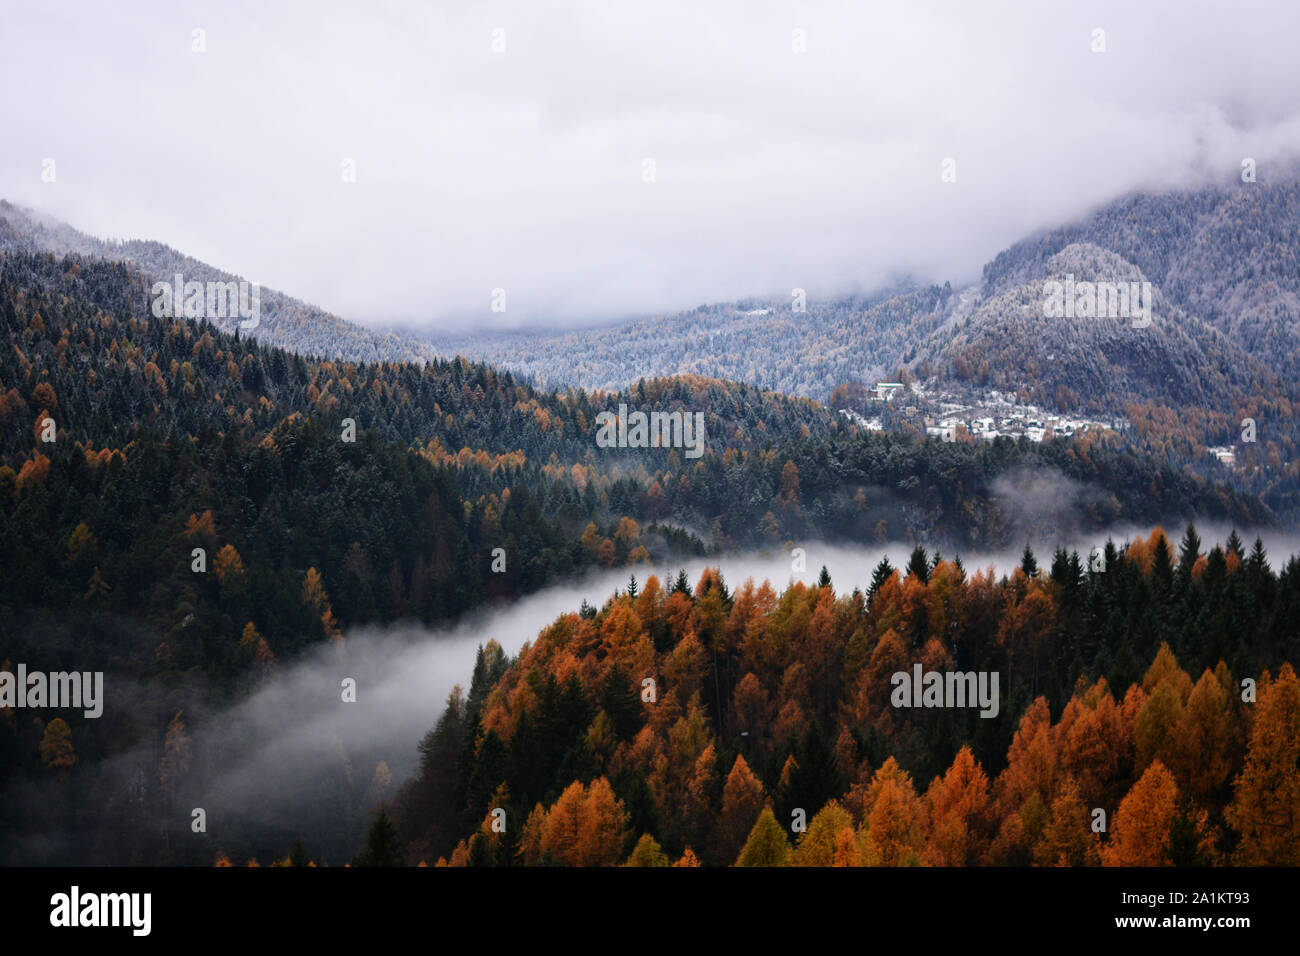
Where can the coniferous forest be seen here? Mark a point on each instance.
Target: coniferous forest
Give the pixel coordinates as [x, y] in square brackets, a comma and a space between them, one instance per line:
[210, 510]
[1158, 691]
[856, 441]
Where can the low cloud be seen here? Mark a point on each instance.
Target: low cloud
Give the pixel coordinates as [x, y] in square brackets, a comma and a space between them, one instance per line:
[525, 169]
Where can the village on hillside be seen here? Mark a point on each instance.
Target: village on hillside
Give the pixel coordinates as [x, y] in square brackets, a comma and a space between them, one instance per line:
[985, 417]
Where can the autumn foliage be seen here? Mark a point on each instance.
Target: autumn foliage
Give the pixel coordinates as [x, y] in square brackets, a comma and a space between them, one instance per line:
[770, 738]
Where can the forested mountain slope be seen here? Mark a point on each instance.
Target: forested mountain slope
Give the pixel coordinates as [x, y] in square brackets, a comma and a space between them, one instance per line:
[126, 441]
[763, 341]
[1218, 365]
[1225, 256]
[184, 508]
[1228, 255]
[1107, 364]
[284, 321]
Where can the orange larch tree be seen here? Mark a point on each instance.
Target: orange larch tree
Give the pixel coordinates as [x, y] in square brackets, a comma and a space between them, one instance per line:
[1266, 809]
[1139, 834]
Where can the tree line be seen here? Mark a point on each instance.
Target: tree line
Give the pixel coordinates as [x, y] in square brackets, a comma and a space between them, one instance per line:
[1149, 716]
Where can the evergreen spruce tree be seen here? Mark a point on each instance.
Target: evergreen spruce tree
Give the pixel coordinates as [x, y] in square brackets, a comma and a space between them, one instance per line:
[1162, 567]
[1188, 553]
[919, 564]
[1185, 837]
[1060, 571]
[621, 703]
[879, 576]
[1258, 557]
[383, 845]
[1235, 546]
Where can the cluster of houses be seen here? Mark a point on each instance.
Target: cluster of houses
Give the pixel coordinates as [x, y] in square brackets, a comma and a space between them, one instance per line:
[1013, 426]
[992, 416]
[998, 417]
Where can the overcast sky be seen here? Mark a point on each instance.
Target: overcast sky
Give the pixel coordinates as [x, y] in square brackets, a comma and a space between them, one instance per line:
[524, 169]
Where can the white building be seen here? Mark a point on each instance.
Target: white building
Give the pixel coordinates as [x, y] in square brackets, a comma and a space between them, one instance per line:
[885, 391]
